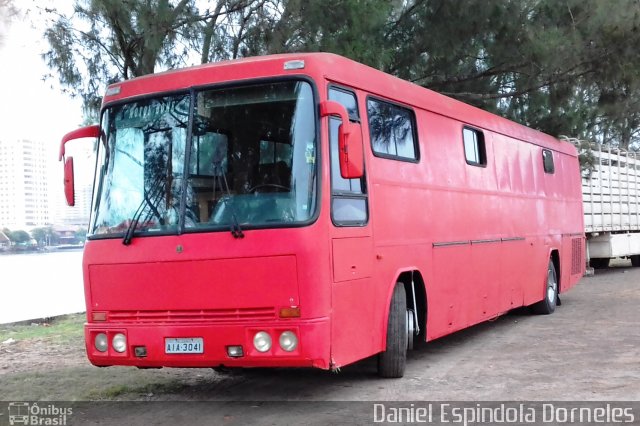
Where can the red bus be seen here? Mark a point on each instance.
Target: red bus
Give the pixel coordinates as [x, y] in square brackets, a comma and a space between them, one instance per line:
[306, 210]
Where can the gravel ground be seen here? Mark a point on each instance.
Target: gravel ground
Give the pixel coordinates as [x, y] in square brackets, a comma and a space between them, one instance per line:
[589, 349]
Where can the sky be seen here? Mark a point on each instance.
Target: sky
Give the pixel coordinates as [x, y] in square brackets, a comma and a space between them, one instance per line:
[30, 107]
[35, 109]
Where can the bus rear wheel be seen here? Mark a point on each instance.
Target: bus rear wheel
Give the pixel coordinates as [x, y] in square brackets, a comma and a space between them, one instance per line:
[548, 305]
[392, 362]
[635, 260]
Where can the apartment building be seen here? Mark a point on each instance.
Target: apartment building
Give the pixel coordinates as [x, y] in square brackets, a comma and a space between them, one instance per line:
[24, 185]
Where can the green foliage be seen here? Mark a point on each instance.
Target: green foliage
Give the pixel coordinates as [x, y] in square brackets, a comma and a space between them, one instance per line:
[586, 156]
[352, 28]
[45, 235]
[110, 40]
[17, 237]
[546, 64]
[561, 67]
[40, 235]
[20, 236]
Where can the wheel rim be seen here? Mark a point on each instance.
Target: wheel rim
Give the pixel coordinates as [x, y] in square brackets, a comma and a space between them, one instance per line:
[552, 285]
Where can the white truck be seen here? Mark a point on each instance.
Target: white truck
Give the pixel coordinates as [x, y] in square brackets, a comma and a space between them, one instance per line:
[611, 198]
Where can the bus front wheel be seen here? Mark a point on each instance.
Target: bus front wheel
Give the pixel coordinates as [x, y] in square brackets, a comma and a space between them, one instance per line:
[548, 305]
[392, 362]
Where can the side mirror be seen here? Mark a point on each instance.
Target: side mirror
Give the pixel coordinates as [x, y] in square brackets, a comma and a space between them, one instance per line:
[69, 191]
[351, 154]
[349, 141]
[84, 132]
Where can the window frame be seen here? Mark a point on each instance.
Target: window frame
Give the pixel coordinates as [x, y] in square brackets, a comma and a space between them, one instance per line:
[341, 194]
[192, 92]
[414, 131]
[552, 169]
[332, 86]
[481, 147]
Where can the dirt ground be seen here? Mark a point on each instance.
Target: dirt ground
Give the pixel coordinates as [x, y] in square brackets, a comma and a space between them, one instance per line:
[589, 349]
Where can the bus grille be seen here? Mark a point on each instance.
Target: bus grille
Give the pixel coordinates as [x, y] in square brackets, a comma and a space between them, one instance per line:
[205, 315]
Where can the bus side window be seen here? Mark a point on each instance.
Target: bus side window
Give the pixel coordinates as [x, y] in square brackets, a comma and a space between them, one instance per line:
[474, 148]
[547, 161]
[392, 129]
[349, 205]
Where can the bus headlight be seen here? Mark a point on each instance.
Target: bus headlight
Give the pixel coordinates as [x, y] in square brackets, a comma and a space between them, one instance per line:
[288, 341]
[100, 342]
[262, 341]
[119, 343]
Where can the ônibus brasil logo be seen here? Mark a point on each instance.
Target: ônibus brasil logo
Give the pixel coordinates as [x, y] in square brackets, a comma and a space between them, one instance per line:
[26, 413]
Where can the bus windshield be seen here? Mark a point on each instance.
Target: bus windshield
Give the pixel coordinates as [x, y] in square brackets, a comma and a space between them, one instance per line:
[214, 159]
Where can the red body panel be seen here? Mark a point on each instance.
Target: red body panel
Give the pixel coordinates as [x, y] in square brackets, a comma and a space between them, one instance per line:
[479, 237]
[227, 284]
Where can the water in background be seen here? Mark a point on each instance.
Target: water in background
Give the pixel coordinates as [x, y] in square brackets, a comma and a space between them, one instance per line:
[40, 285]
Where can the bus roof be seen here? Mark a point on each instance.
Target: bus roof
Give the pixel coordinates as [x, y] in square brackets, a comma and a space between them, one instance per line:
[340, 70]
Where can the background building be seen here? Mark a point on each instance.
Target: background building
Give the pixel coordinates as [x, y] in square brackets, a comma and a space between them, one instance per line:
[84, 161]
[24, 186]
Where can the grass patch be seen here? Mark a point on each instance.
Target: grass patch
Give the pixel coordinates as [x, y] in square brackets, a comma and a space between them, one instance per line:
[135, 391]
[65, 328]
[111, 392]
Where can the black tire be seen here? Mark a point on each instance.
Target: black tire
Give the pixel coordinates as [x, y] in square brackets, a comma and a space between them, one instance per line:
[599, 263]
[392, 362]
[548, 305]
[635, 260]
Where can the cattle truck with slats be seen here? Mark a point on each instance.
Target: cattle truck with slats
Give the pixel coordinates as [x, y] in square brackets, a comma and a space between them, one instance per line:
[611, 196]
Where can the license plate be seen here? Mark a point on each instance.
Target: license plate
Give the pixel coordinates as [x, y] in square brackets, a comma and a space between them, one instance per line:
[184, 345]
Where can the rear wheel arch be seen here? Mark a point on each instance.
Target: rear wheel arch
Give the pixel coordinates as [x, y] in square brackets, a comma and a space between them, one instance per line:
[407, 307]
[550, 298]
[421, 297]
[404, 276]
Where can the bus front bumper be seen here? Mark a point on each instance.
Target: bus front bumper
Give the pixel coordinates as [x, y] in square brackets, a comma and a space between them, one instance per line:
[146, 345]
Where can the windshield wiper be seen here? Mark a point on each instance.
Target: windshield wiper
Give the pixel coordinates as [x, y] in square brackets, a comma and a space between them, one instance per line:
[147, 200]
[221, 178]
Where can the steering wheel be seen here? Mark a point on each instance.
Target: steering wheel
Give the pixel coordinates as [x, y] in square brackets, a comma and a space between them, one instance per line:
[272, 185]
